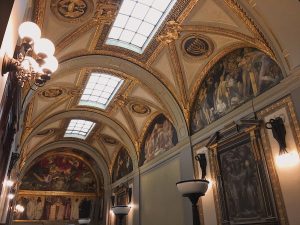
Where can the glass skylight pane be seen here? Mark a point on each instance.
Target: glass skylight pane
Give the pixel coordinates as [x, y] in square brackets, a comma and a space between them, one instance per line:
[127, 7]
[153, 16]
[104, 88]
[145, 17]
[79, 128]
[133, 24]
[146, 2]
[115, 33]
[121, 21]
[127, 36]
[161, 5]
[139, 40]
[140, 11]
[145, 29]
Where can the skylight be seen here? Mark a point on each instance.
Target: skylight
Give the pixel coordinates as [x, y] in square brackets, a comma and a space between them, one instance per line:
[137, 22]
[79, 129]
[100, 89]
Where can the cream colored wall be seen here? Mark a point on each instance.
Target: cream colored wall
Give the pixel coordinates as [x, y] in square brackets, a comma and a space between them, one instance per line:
[161, 202]
[288, 174]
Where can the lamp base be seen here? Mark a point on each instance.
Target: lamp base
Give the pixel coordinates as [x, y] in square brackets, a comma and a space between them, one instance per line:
[194, 197]
[8, 64]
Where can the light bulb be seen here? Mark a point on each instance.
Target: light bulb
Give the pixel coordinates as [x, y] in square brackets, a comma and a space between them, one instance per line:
[20, 208]
[10, 196]
[51, 65]
[44, 48]
[9, 183]
[30, 63]
[29, 31]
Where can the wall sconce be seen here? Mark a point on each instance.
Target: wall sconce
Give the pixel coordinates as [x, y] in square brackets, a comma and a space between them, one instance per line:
[279, 132]
[35, 60]
[194, 189]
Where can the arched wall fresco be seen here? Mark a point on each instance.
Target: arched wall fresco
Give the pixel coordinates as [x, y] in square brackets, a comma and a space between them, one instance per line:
[236, 78]
[122, 166]
[60, 185]
[159, 137]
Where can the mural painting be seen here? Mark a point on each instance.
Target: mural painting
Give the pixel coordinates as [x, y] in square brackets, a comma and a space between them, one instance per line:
[54, 208]
[159, 137]
[59, 173]
[234, 79]
[122, 166]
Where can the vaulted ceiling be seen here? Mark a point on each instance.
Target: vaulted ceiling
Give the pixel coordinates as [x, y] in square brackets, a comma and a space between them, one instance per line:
[164, 79]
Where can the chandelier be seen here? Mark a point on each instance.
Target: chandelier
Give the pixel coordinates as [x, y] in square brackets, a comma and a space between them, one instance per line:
[34, 59]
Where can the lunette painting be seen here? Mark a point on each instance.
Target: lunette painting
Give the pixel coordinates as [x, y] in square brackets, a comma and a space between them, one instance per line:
[236, 78]
[59, 173]
[122, 165]
[159, 137]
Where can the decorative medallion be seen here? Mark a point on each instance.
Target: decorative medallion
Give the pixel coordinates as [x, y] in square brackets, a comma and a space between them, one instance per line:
[72, 10]
[51, 92]
[109, 140]
[140, 108]
[197, 46]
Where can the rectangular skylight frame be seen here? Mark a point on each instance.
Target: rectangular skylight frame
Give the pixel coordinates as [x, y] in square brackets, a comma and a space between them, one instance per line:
[100, 90]
[128, 13]
[78, 128]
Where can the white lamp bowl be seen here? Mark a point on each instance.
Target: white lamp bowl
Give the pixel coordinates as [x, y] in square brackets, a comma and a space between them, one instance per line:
[51, 65]
[121, 209]
[84, 221]
[192, 186]
[29, 31]
[44, 47]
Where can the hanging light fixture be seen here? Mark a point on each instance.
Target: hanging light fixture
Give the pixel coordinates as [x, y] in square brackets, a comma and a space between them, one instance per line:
[35, 59]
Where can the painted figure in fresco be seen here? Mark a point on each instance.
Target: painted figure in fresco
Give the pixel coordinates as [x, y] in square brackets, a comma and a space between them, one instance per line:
[39, 208]
[122, 165]
[30, 212]
[68, 209]
[59, 173]
[75, 202]
[234, 79]
[160, 136]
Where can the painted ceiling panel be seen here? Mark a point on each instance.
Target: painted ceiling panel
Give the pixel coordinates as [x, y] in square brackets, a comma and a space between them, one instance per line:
[163, 65]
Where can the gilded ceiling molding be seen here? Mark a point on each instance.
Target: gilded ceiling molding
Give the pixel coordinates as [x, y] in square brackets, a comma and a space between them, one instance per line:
[177, 10]
[102, 149]
[95, 38]
[238, 10]
[131, 123]
[132, 60]
[53, 193]
[38, 14]
[170, 33]
[232, 34]
[27, 121]
[106, 11]
[48, 112]
[180, 76]
[74, 35]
